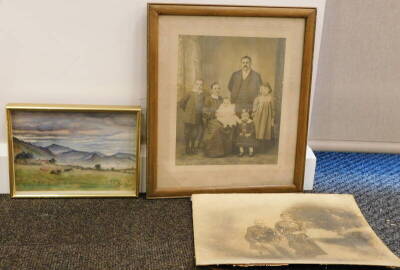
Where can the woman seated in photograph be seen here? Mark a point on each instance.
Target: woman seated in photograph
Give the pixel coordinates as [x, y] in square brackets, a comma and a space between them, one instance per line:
[212, 103]
[219, 130]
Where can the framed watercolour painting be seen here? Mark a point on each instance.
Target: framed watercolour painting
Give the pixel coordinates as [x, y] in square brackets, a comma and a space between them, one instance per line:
[73, 150]
[229, 91]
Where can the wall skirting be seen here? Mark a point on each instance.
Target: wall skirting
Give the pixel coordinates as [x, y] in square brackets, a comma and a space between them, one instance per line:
[4, 181]
[355, 146]
[3, 150]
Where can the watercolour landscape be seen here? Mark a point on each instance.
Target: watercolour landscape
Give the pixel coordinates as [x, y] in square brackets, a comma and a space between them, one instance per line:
[74, 152]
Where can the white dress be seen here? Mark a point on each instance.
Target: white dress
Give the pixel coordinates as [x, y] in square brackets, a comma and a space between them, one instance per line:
[226, 115]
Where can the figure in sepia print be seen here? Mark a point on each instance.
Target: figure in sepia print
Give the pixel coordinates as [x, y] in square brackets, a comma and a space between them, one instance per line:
[229, 100]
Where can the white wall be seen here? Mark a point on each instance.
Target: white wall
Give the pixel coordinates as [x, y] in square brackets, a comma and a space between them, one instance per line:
[83, 52]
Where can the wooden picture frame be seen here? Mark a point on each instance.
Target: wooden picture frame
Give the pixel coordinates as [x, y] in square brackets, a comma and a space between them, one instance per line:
[73, 150]
[205, 21]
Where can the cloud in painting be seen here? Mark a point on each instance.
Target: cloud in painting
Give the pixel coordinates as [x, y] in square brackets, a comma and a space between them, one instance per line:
[109, 132]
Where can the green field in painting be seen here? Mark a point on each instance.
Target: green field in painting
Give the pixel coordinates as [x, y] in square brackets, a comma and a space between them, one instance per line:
[38, 178]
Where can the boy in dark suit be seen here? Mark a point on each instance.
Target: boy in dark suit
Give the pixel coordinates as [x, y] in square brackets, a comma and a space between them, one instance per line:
[192, 105]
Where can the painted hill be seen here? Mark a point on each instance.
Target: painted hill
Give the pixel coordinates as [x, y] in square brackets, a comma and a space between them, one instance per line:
[58, 149]
[38, 152]
[93, 156]
[73, 155]
[124, 155]
[109, 161]
[68, 156]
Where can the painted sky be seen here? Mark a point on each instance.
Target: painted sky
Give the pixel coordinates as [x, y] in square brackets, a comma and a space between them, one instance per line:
[105, 132]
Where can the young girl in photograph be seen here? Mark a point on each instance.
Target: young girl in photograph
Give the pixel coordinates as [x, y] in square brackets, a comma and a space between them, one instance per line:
[246, 135]
[263, 115]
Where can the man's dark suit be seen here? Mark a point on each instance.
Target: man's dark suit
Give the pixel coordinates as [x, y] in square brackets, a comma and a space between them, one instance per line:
[243, 92]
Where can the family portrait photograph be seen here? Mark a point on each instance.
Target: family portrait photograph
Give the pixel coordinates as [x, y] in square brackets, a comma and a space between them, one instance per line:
[229, 99]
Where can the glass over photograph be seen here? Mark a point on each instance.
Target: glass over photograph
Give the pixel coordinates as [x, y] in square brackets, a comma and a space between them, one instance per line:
[229, 99]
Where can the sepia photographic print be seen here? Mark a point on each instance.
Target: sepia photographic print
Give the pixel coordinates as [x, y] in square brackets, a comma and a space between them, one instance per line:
[73, 152]
[252, 229]
[229, 99]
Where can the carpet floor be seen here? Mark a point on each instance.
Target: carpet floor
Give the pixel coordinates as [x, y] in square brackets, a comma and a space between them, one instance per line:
[158, 234]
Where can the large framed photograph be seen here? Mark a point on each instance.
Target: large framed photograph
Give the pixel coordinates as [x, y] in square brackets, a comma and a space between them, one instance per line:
[229, 92]
[73, 150]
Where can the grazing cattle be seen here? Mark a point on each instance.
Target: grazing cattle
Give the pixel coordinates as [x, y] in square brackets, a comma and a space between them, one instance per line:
[56, 172]
[68, 170]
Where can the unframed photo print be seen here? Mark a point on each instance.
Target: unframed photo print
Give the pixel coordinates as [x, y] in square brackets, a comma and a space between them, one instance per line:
[250, 229]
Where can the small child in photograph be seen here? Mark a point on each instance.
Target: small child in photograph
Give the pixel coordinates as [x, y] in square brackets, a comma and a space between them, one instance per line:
[226, 113]
[263, 115]
[246, 135]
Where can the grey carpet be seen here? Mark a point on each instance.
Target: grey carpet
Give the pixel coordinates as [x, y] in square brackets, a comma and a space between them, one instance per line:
[158, 234]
